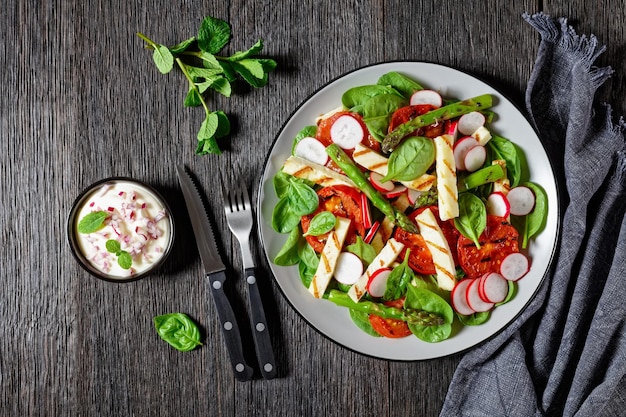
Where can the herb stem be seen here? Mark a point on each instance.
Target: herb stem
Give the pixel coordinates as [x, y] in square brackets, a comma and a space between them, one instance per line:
[192, 85]
[147, 40]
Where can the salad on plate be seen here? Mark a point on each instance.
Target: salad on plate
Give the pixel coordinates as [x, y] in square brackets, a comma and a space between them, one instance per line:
[408, 209]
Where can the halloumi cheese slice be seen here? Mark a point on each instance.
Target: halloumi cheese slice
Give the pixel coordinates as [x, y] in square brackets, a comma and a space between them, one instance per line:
[373, 161]
[447, 191]
[482, 135]
[385, 257]
[502, 185]
[329, 257]
[319, 174]
[439, 249]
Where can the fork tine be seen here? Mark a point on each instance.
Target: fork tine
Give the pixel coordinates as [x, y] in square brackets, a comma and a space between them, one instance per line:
[244, 195]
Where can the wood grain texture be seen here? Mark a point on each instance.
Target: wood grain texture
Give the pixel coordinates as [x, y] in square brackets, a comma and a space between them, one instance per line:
[81, 100]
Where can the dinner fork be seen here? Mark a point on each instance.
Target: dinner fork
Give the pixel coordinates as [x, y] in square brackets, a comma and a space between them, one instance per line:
[239, 218]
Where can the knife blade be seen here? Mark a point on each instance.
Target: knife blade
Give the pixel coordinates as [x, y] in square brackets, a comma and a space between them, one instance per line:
[215, 271]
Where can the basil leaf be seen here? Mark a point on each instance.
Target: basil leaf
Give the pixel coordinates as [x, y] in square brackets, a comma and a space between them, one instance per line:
[213, 35]
[322, 222]
[92, 222]
[302, 199]
[410, 159]
[178, 330]
[472, 219]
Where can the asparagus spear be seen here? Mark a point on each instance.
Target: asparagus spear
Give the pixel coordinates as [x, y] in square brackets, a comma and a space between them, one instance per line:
[483, 176]
[411, 316]
[354, 173]
[442, 113]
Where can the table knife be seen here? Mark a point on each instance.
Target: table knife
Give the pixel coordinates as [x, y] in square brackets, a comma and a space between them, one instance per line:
[215, 271]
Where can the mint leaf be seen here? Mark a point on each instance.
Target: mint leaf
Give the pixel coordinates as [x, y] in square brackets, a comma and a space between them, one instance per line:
[113, 246]
[255, 49]
[124, 260]
[178, 330]
[183, 46]
[92, 222]
[213, 35]
[163, 59]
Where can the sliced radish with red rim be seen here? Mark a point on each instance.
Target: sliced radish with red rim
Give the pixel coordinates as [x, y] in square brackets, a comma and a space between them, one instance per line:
[514, 266]
[470, 122]
[475, 158]
[426, 97]
[312, 150]
[493, 288]
[349, 268]
[369, 236]
[397, 191]
[377, 283]
[383, 187]
[413, 195]
[522, 200]
[460, 149]
[458, 297]
[498, 204]
[366, 213]
[347, 132]
[474, 301]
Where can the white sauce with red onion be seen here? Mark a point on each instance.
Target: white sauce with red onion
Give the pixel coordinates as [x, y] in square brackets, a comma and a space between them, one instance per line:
[136, 219]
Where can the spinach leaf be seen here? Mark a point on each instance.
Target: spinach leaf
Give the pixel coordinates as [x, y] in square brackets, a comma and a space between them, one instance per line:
[536, 219]
[502, 148]
[423, 299]
[284, 220]
[178, 330]
[403, 84]
[364, 251]
[377, 112]
[474, 319]
[322, 222]
[411, 159]
[307, 131]
[472, 218]
[92, 222]
[398, 280]
[356, 97]
[361, 320]
[302, 199]
[308, 264]
[281, 183]
[288, 253]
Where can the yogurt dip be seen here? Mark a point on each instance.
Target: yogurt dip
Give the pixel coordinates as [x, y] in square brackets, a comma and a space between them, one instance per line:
[136, 218]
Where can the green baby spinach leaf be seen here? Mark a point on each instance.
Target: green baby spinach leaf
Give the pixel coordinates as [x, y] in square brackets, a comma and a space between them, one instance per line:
[322, 222]
[536, 219]
[402, 83]
[307, 131]
[92, 222]
[178, 330]
[302, 199]
[361, 320]
[472, 219]
[398, 280]
[288, 253]
[423, 299]
[364, 251]
[284, 220]
[506, 150]
[410, 159]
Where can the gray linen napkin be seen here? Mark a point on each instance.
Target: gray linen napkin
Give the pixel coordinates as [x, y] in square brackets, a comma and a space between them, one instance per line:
[565, 355]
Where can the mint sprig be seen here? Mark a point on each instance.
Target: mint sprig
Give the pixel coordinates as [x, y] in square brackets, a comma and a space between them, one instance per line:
[124, 260]
[198, 59]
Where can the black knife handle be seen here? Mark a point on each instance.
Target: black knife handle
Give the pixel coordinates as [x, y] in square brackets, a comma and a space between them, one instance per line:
[262, 340]
[230, 328]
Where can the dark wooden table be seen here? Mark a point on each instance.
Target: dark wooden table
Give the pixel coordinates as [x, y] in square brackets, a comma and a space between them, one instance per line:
[81, 100]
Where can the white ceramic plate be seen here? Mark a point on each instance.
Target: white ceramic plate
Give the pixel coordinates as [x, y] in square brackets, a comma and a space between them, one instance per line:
[333, 321]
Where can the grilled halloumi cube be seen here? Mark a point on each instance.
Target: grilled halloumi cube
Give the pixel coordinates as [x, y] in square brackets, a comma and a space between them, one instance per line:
[373, 161]
[482, 135]
[447, 191]
[328, 258]
[502, 185]
[319, 174]
[439, 249]
[385, 257]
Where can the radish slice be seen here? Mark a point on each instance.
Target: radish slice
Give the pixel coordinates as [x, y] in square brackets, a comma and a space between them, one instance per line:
[397, 191]
[413, 195]
[522, 200]
[475, 158]
[473, 298]
[470, 122]
[349, 268]
[460, 149]
[514, 266]
[366, 213]
[498, 205]
[453, 129]
[383, 187]
[369, 236]
[377, 283]
[426, 97]
[347, 132]
[312, 150]
[493, 287]
[459, 299]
